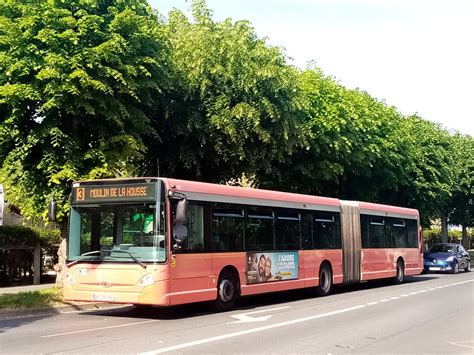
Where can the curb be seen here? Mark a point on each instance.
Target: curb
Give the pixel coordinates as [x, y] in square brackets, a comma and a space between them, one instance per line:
[50, 311]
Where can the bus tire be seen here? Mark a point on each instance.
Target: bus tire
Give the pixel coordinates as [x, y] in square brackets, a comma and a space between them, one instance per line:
[325, 281]
[227, 292]
[400, 275]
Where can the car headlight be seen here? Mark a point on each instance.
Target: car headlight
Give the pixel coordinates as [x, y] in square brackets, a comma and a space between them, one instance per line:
[146, 280]
[70, 279]
[451, 258]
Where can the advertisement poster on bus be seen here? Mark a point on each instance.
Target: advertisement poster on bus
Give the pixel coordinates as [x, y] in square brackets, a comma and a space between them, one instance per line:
[271, 266]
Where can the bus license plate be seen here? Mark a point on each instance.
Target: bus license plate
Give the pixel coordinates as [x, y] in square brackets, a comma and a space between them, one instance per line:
[435, 268]
[99, 297]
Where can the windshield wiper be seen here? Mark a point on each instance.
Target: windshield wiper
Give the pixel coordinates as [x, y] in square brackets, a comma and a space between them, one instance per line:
[130, 255]
[108, 251]
[85, 254]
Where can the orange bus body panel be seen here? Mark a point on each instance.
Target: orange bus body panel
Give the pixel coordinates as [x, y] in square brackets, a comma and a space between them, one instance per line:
[193, 277]
[117, 283]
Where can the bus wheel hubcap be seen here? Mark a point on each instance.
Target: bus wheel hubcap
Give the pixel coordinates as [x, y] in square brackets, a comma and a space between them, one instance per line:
[325, 280]
[226, 290]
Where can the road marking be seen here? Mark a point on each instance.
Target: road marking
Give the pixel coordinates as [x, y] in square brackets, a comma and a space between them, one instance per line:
[101, 328]
[245, 318]
[405, 295]
[463, 344]
[394, 298]
[267, 310]
[462, 282]
[271, 326]
[248, 331]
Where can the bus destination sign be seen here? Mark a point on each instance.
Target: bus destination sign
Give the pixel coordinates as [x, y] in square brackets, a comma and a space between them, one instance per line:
[114, 193]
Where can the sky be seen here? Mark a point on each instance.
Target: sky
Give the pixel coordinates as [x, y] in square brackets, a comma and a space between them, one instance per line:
[416, 55]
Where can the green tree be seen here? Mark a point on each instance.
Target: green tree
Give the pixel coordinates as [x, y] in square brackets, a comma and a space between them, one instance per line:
[426, 169]
[461, 203]
[346, 152]
[232, 107]
[78, 80]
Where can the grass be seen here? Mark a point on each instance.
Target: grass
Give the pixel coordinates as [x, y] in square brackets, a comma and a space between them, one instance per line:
[32, 300]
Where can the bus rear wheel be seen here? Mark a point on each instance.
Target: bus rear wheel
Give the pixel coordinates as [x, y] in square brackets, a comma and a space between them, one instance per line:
[227, 292]
[325, 281]
[400, 275]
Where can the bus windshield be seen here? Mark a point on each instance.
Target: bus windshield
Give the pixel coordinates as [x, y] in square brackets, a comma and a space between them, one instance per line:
[132, 232]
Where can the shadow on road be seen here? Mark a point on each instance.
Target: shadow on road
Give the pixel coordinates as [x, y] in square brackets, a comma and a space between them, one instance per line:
[14, 319]
[245, 303]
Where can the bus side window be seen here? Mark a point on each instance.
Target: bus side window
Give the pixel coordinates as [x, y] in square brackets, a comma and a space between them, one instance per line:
[412, 233]
[287, 230]
[307, 231]
[377, 232]
[364, 229]
[399, 233]
[326, 230]
[259, 229]
[227, 228]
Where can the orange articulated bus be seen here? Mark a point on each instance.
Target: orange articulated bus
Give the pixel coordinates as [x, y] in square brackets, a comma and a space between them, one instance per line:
[164, 242]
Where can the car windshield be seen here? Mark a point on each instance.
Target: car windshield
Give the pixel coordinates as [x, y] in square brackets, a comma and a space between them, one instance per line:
[441, 248]
[117, 233]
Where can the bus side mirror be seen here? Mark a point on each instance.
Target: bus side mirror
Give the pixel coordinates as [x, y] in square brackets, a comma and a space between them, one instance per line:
[181, 211]
[52, 211]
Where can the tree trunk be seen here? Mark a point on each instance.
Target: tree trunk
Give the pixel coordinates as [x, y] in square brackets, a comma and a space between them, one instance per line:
[465, 239]
[60, 267]
[444, 228]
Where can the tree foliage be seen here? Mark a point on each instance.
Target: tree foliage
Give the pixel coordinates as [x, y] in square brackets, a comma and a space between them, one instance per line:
[92, 89]
[233, 105]
[346, 143]
[461, 204]
[77, 81]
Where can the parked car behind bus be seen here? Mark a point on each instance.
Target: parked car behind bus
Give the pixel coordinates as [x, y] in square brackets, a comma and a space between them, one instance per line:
[447, 257]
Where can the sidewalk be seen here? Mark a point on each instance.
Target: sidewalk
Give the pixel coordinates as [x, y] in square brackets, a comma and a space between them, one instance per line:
[60, 308]
[24, 288]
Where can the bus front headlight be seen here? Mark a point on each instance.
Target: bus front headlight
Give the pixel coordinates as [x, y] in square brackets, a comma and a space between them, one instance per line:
[146, 280]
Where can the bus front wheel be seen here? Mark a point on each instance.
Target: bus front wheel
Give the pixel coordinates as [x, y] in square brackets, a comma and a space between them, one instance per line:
[226, 292]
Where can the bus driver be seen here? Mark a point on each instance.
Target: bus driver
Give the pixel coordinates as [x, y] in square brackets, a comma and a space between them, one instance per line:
[180, 233]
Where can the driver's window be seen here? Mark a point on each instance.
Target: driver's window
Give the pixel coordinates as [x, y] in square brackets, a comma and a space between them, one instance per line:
[195, 227]
[189, 237]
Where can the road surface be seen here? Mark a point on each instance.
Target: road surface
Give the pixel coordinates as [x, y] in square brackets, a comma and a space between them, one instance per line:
[431, 313]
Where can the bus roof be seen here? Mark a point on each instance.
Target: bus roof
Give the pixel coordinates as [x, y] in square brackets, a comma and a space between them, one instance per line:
[261, 194]
[248, 193]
